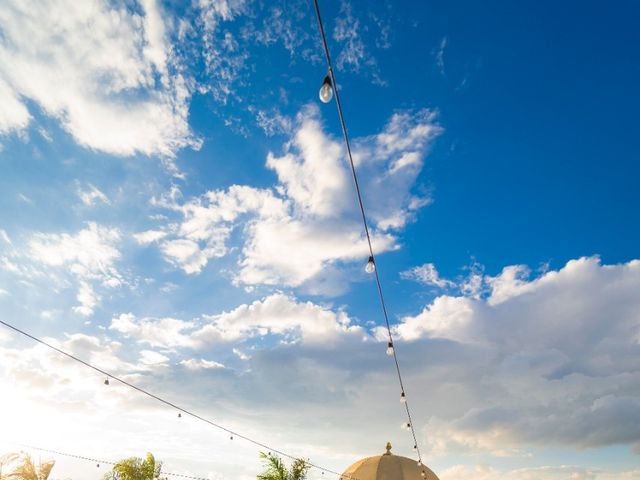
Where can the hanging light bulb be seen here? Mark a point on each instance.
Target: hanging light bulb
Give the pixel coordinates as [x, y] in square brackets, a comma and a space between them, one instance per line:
[326, 90]
[415, 447]
[403, 398]
[231, 437]
[106, 381]
[179, 415]
[419, 463]
[97, 465]
[390, 349]
[406, 426]
[423, 473]
[371, 266]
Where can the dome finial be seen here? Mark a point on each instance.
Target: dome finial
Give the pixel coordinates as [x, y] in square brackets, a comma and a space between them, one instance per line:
[388, 448]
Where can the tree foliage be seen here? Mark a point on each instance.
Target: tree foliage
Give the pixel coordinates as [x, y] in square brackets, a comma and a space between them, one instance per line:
[275, 469]
[20, 466]
[135, 468]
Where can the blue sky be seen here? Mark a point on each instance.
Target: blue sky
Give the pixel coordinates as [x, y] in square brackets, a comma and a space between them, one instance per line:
[177, 209]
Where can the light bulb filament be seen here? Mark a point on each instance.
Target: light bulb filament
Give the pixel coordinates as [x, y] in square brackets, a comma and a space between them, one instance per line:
[326, 90]
[371, 265]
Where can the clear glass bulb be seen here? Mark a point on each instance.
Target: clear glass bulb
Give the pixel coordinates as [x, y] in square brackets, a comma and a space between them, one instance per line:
[106, 381]
[403, 398]
[423, 474]
[419, 463]
[326, 91]
[390, 349]
[371, 266]
[406, 426]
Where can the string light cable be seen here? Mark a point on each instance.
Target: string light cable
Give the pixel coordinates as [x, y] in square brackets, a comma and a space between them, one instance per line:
[99, 461]
[181, 410]
[329, 84]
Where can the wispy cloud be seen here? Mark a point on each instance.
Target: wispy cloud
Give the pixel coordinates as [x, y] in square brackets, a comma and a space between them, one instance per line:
[92, 195]
[438, 54]
[89, 256]
[427, 274]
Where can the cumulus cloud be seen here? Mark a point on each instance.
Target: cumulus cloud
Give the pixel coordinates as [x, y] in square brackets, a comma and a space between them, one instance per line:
[102, 70]
[278, 314]
[547, 472]
[296, 233]
[552, 364]
[47, 371]
[157, 332]
[556, 358]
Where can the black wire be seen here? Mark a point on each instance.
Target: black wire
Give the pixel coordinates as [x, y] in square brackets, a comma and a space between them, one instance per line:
[334, 85]
[170, 404]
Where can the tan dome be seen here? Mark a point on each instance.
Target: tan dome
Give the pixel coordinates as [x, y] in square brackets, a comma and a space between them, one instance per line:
[388, 467]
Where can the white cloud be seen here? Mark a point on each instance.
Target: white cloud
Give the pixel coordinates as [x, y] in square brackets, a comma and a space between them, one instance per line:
[553, 365]
[5, 237]
[13, 115]
[200, 363]
[427, 274]
[149, 236]
[299, 232]
[389, 164]
[100, 70]
[438, 53]
[240, 354]
[447, 317]
[312, 172]
[224, 60]
[88, 300]
[89, 256]
[187, 254]
[163, 332]
[550, 360]
[90, 253]
[151, 358]
[92, 195]
[42, 368]
[347, 32]
[23, 198]
[272, 122]
[277, 314]
[547, 472]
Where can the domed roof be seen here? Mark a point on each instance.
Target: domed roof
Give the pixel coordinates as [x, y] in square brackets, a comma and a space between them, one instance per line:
[388, 467]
